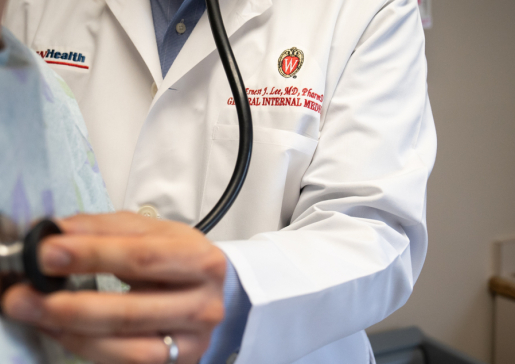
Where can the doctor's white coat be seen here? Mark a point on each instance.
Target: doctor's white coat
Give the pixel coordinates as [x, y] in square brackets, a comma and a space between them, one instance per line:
[329, 233]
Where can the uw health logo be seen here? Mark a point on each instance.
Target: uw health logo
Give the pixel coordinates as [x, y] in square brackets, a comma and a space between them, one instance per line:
[290, 62]
[72, 59]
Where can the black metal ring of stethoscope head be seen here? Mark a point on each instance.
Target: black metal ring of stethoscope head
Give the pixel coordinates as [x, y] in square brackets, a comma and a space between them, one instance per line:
[33, 272]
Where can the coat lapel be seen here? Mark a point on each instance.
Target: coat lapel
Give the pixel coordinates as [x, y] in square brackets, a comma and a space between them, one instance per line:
[135, 17]
[200, 43]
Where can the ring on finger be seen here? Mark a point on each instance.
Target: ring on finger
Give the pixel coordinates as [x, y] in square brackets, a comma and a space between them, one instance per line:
[173, 350]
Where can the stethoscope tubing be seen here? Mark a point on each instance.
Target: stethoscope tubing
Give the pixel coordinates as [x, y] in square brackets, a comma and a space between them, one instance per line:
[244, 119]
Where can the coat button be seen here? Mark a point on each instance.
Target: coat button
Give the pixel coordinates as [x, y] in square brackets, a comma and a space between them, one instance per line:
[149, 211]
[180, 27]
[153, 90]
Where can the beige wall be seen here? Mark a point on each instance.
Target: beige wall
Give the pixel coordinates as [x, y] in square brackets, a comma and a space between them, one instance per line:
[471, 199]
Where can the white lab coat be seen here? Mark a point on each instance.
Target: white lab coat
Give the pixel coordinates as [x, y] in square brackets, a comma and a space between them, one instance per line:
[329, 232]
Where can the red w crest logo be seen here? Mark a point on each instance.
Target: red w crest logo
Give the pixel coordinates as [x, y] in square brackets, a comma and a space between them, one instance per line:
[290, 62]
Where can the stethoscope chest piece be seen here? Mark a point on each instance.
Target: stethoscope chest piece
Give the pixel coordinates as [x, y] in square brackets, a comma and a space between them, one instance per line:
[19, 259]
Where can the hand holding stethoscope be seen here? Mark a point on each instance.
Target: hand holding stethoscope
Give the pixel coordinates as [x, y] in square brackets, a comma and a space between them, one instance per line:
[176, 277]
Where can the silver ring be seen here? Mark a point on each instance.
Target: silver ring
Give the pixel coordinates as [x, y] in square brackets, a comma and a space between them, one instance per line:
[173, 350]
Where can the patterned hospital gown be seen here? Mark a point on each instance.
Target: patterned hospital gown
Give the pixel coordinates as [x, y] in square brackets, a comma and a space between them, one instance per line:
[47, 168]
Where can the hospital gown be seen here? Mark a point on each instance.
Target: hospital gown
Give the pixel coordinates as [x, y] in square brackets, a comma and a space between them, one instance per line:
[47, 168]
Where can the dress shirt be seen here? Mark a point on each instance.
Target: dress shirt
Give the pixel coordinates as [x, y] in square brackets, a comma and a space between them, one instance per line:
[167, 15]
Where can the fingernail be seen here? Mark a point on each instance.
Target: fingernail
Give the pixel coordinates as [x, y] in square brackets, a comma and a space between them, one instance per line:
[55, 257]
[27, 309]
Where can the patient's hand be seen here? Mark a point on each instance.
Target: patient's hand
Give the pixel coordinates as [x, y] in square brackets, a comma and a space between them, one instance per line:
[176, 277]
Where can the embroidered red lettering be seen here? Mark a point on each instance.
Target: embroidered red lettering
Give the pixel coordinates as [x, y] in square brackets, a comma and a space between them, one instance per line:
[313, 106]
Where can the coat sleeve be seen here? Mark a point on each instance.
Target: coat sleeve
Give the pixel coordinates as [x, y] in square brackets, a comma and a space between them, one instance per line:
[358, 238]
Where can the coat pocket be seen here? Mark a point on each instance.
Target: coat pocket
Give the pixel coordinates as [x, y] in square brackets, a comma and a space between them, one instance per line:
[272, 188]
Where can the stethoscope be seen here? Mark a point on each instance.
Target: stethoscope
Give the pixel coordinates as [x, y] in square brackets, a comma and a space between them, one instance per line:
[19, 258]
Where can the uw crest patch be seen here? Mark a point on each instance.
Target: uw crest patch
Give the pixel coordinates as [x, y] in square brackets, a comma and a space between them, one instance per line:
[290, 62]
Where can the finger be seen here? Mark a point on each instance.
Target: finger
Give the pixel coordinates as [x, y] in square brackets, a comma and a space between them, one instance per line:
[163, 258]
[90, 313]
[119, 223]
[139, 350]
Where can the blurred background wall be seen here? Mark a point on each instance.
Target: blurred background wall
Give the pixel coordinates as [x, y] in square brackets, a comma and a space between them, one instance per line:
[471, 198]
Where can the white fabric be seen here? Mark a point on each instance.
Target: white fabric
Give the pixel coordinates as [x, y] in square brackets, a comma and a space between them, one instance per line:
[329, 234]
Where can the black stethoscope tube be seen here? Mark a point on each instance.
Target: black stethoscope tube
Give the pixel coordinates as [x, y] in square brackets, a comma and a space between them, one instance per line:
[244, 119]
[47, 227]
